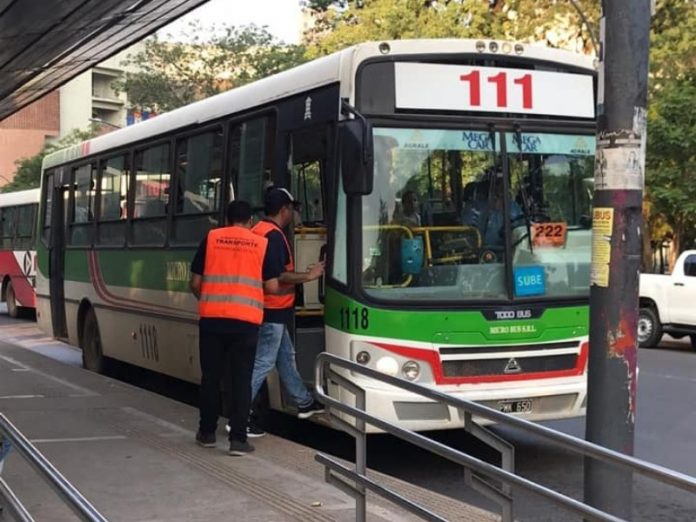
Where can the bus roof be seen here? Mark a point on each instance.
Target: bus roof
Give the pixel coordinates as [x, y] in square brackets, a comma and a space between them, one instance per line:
[336, 67]
[20, 197]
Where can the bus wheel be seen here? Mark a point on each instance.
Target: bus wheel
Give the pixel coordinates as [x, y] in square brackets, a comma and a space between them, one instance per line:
[12, 308]
[92, 354]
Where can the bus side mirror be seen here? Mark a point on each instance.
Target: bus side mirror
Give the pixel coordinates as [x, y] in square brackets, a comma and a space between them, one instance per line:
[357, 157]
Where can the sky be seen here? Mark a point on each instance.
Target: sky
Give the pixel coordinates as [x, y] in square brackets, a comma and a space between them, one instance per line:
[281, 16]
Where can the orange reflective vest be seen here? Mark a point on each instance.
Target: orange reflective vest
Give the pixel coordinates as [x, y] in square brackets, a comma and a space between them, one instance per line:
[285, 298]
[232, 286]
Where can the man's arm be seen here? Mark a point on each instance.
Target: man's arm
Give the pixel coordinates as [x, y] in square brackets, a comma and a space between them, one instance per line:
[195, 284]
[297, 278]
[197, 266]
[272, 286]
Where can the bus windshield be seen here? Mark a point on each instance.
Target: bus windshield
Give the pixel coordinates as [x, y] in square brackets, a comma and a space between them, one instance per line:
[435, 226]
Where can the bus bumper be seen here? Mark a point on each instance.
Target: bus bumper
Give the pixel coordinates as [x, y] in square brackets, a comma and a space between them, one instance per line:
[543, 401]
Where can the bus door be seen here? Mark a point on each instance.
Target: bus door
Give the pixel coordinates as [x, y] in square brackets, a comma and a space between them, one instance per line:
[308, 162]
[56, 258]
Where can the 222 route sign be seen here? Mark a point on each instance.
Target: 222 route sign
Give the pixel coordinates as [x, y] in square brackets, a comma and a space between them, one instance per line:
[493, 89]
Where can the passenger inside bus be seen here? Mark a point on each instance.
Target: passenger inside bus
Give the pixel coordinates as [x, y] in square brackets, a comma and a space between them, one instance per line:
[485, 210]
[407, 213]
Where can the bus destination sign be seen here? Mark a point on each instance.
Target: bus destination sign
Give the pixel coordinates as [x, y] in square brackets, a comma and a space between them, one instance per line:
[493, 89]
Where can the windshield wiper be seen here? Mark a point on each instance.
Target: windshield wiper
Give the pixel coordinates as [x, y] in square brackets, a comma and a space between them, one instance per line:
[526, 205]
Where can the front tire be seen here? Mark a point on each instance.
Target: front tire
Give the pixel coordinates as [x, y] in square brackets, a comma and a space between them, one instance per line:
[92, 353]
[11, 299]
[649, 328]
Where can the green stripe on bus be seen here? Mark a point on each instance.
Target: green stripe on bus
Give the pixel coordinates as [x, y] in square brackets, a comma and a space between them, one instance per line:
[452, 327]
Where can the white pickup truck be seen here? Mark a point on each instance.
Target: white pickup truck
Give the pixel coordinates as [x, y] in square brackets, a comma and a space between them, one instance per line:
[668, 303]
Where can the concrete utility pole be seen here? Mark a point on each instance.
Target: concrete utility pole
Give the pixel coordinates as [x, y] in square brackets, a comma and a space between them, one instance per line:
[616, 247]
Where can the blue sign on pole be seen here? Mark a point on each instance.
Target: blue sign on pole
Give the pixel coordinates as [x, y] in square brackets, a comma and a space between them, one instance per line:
[529, 280]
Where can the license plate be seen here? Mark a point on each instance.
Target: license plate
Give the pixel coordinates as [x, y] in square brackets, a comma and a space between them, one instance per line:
[517, 406]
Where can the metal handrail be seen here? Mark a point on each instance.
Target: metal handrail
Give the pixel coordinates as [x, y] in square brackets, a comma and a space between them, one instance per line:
[63, 488]
[323, 373]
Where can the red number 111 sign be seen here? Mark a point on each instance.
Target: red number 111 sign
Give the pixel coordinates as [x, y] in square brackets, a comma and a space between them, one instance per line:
[445, 87]
[500, 82]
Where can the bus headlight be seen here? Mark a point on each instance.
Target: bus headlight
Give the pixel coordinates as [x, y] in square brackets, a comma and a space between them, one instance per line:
[387, 365]
[362, 357]
[410, 370]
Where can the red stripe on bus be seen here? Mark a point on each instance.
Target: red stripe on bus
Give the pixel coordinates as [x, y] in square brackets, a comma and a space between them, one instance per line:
[105, 294]
[432, 357]
[24, 291]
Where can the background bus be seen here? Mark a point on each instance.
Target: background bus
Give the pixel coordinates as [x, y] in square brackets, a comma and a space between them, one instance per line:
[18, 212]
[448, 182]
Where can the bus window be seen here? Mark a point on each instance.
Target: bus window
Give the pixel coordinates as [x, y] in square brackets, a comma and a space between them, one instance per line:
[308, 170]
[26, 226]
[339, 270]
[422, 236]
[9, 225]
[199, 185]
[251, 153]
[551, 182]
[48, 206]
[82, 205]
[152, 174]
[113, 199]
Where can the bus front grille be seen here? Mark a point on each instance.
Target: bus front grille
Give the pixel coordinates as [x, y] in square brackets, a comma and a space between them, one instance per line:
[511, 366]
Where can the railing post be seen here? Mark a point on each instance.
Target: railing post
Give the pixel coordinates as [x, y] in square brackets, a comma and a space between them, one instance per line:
[361, 459]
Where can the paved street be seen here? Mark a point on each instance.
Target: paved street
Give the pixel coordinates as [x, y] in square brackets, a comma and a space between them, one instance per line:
[665, 434]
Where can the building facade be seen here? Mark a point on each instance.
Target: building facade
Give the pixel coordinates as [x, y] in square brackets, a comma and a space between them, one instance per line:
[85, 100]
[24, 134]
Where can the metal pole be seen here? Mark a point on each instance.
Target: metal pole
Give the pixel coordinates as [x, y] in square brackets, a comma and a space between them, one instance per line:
[616, 247]
[361, 459]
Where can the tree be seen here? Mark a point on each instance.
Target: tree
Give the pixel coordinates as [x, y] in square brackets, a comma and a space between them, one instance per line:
[166, 75]
[347, 22]
[28, 173]
[671, 159]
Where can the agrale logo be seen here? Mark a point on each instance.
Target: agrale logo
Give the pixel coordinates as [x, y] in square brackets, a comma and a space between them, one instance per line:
[512, 366]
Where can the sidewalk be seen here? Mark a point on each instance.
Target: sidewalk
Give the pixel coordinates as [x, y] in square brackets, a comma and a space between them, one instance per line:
[131, 453]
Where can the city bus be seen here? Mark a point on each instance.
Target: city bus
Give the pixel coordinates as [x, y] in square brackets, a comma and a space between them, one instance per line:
[18, 212]
[447, 183]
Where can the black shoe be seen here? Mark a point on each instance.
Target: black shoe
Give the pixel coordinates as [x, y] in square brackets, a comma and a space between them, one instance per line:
[239, 449]
[207, 440]
[305, 412]
[254, 432]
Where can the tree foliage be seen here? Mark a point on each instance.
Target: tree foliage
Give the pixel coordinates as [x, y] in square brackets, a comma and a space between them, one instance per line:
[165, 74]
[671, 158]
[347, 22]
[28, 173]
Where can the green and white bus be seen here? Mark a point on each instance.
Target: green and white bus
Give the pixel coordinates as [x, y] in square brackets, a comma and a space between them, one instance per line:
[448, 183]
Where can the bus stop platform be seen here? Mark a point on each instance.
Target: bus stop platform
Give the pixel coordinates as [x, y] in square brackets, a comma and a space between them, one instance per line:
[132, 454]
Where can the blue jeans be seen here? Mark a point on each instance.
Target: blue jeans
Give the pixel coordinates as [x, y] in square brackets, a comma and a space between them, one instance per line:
[275, 348]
